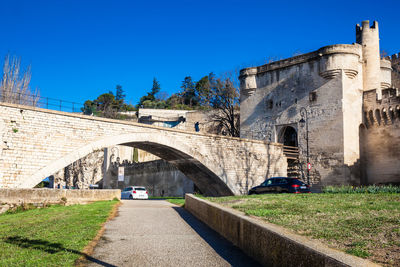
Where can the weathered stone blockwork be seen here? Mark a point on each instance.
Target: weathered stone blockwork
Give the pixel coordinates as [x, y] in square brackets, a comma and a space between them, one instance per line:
[282, 88]
[395, 60]
[380, 138]
[35, 143]
[56, 196]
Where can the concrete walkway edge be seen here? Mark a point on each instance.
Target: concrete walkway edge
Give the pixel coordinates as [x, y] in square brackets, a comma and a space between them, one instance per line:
[268, 243]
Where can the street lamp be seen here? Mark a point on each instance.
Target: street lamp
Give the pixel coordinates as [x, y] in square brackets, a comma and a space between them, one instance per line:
[304, 120]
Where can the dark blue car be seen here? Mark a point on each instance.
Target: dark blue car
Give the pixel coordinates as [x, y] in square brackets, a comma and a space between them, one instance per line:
[281, 185]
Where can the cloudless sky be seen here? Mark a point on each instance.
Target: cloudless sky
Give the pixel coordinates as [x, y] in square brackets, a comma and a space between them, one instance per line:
[80, 49]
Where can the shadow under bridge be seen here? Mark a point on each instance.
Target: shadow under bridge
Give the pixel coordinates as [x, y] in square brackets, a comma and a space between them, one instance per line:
[207, 181]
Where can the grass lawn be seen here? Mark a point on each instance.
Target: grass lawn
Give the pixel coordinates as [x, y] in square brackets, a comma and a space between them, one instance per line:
[177, 201]
[53, 236]
[180, 201]
[365, 225]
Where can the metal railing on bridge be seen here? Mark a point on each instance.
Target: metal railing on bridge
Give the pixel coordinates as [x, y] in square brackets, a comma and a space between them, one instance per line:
[41, 102]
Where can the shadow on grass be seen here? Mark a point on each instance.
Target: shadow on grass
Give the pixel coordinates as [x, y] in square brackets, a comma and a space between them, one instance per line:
[229, 252]
[49, 247]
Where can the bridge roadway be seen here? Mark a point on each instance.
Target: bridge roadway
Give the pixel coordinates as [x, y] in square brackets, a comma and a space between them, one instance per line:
[158, 233]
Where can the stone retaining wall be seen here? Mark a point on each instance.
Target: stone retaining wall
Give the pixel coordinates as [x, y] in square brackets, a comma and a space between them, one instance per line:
[55, 196]
[269, 244]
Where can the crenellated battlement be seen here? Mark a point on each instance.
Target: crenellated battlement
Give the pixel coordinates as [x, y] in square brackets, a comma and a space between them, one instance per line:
[366, 26]
[395, 63]
[365, 30]
[395, 58]
[385, 111]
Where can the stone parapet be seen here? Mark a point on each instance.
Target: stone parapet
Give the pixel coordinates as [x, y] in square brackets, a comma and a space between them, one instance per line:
[56, 196]
[348, 49]
[381, 112]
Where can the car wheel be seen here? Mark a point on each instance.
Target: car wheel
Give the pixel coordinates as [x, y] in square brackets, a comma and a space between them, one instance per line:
[130, 197]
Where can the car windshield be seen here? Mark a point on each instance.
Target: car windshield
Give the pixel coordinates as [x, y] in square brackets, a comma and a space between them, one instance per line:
[140, 189]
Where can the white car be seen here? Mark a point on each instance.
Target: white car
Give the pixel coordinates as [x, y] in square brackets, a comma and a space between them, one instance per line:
[134, 192]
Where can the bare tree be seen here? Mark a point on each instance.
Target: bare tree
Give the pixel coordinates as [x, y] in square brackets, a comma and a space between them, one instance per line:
[14, 84]
[226, 101]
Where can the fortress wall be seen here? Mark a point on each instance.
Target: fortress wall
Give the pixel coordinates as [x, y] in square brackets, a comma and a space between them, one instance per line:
[272, 96]
[395, 59]
[386, 73]
[380, 138]
[352, 117]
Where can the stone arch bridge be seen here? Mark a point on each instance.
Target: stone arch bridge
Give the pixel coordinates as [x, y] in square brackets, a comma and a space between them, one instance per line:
[36, 143]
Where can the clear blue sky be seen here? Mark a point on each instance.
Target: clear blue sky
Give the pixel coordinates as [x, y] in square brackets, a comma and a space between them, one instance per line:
[80, 49]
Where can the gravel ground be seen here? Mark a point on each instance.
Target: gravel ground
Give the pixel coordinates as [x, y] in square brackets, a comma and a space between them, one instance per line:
[158, 233]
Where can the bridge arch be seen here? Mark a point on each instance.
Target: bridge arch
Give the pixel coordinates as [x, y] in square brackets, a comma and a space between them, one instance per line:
[37, 142]
[213, 182]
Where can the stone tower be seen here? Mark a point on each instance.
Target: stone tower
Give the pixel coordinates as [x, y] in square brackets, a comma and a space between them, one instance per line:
[376, 72]
[368, 37]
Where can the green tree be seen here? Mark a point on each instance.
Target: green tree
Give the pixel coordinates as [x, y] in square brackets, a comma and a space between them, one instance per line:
[189, 92]
[204, 88]
[120, 98]
[151, 96]
[156, 88]
[119, 93]
[108, 105]
[89, 107]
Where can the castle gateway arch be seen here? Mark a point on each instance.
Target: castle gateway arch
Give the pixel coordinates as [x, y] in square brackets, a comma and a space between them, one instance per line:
[36, 143]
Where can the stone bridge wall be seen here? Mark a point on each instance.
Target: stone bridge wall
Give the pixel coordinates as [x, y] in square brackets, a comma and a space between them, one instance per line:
[35, 143]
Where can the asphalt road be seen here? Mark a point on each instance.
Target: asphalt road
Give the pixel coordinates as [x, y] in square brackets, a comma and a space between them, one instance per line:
[158, 233]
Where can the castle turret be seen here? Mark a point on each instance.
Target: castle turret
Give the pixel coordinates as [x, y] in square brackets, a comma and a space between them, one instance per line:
[368, 37]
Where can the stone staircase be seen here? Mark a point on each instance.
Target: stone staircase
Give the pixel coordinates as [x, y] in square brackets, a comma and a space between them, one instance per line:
[294, 168]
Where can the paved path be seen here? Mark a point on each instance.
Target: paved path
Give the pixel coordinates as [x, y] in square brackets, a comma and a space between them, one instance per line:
[158, 233]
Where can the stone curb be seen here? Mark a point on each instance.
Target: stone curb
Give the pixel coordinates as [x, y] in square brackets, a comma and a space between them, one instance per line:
[269, 244]
[56, 196]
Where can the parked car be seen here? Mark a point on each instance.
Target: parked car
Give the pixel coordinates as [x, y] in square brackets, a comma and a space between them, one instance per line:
[281, 185]
[134, 192]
